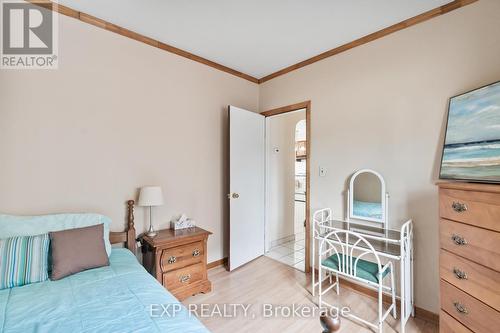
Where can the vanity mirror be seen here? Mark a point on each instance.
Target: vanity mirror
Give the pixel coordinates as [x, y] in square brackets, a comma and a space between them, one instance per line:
[367, 198]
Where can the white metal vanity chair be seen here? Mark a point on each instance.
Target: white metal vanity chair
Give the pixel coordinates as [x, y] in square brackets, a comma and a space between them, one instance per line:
[340, 252]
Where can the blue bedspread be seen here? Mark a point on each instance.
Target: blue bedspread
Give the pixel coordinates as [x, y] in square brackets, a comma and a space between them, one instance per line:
[117, 298]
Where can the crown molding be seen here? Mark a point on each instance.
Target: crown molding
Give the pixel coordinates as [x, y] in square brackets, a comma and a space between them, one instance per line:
[100, 23]
[89, 19]
[373, 36]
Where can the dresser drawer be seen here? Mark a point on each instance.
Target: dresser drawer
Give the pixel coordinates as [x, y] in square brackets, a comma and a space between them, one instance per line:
[184, 276]
[476, 208]
[448, 324]
[474, 279]
[181, 256]
[476, 244]
[475, 315]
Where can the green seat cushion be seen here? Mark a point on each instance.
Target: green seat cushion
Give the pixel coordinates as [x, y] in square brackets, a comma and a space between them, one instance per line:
[364, 269]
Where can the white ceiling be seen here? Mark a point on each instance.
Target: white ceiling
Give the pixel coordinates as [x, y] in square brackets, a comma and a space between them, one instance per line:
[256, 37]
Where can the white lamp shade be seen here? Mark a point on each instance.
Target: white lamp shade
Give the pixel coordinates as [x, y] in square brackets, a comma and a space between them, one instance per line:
[150, 196]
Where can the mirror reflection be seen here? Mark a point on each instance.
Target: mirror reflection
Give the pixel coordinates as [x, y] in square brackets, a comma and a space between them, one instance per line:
[367, 197]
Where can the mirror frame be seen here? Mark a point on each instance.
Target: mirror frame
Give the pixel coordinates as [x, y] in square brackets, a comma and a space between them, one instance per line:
[383, 195]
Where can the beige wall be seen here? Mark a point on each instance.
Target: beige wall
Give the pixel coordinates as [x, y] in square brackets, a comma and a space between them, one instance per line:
[383, 105]
[280, 177]
[116, 115]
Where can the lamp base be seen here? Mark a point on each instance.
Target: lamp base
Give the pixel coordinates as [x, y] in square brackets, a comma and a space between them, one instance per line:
[151, 232]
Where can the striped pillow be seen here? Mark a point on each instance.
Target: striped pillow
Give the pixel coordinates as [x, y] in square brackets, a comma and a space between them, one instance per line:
[23, 260]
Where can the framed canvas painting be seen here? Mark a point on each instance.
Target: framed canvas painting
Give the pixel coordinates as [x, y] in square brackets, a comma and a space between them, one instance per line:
[471, 149]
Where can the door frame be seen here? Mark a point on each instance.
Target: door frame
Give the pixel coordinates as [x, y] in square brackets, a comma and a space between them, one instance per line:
[290, 108]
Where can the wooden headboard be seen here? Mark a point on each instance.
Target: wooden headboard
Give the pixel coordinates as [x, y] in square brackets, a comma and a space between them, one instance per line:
[126, 237]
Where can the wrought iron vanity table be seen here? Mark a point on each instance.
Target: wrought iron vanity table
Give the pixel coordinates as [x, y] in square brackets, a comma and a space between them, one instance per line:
[395, 245]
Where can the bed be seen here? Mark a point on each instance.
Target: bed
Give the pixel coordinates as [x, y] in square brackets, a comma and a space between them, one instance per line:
[121, 297]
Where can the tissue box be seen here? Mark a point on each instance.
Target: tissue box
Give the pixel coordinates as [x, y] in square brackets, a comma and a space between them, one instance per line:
[182, 222]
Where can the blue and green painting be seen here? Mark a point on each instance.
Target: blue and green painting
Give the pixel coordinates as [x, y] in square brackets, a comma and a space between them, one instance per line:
[472, 145]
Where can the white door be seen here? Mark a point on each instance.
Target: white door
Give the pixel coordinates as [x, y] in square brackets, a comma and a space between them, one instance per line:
[246, 185]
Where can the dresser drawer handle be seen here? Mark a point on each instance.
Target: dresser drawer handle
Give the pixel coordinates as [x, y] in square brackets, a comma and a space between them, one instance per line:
[460, 308]
[196, 253]
[172, 260]
[458, 240]
[458, 207]
[461, 275]
[185, 278]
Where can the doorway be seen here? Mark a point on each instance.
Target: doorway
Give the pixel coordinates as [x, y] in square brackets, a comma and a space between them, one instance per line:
[287, 185]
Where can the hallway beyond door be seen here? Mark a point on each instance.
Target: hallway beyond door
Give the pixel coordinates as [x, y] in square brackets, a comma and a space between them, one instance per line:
[291, 253]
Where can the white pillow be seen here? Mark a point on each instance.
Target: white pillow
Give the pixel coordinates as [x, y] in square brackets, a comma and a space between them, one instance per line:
[18, 225]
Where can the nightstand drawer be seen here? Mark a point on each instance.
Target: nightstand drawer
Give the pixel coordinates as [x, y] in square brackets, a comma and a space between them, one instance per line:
[184, 276]
[181, 256]
[476, 280]
[472, 313]
[477, 244]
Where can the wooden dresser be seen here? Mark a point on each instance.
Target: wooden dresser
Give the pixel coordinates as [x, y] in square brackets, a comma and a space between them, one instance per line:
[178, 260]
[469, 263]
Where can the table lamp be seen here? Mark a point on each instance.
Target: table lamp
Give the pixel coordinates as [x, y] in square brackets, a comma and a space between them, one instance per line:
[150, 196]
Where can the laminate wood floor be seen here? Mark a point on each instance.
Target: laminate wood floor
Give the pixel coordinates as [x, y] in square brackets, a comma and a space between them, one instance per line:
[266, 281]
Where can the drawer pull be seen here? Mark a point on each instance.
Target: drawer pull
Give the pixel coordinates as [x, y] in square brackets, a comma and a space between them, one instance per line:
[460, 308]
[172, 260]
[461, 275]
[185, 278]
[458, 240]
[458, 207]
[196, 253]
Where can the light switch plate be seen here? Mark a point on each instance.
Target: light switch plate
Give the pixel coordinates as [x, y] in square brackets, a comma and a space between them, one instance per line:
[322, 171]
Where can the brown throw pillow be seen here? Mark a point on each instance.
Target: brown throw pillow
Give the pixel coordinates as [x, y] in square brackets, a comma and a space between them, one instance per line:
[76, 250]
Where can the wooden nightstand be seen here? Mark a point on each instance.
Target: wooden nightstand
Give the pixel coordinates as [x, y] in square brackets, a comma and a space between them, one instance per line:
[178, 260]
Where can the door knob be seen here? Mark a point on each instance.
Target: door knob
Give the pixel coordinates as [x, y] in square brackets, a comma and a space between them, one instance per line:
[233, 196]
